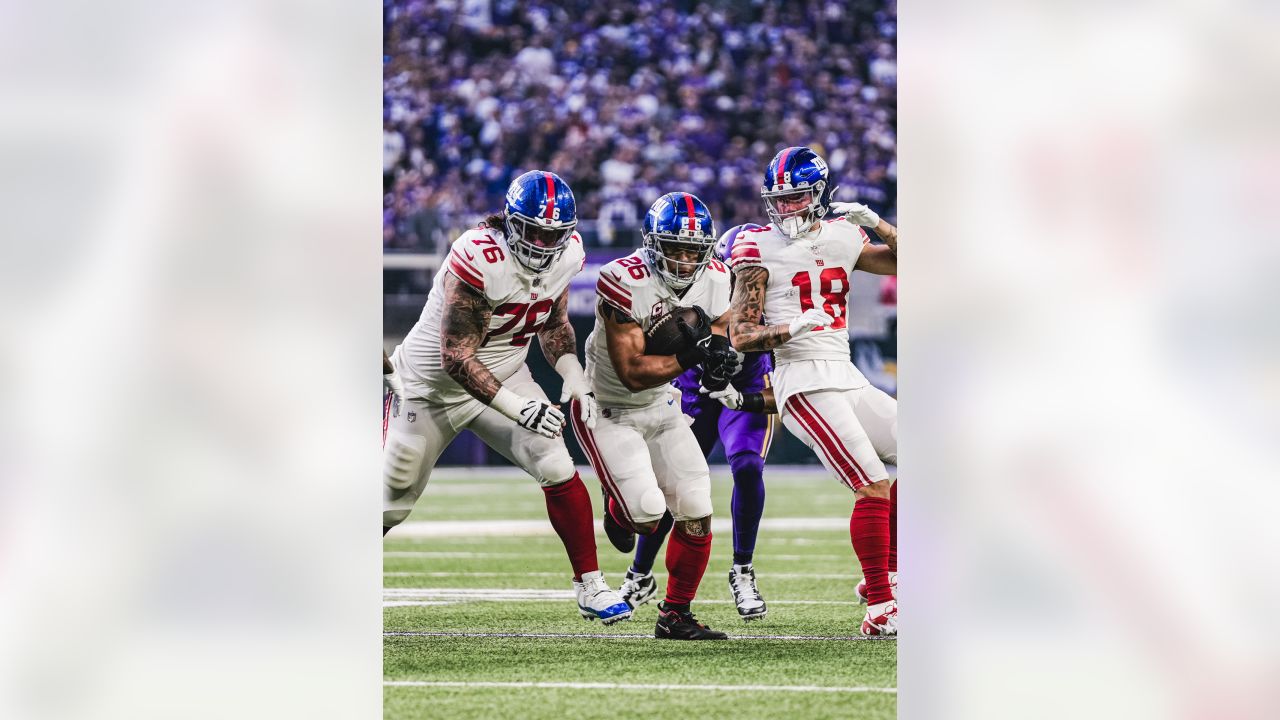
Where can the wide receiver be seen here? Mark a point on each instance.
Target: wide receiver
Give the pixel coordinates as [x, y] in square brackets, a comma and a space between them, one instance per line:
[642, 448]
[795, 272]
[746, 436]
[462, 367]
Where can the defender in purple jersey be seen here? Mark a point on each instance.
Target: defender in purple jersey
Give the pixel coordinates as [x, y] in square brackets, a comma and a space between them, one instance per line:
[746, 437]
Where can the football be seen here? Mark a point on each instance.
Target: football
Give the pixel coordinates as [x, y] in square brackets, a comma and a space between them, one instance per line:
[665, 338]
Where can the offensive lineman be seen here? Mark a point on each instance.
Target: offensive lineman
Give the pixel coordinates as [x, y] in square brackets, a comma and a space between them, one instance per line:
[795, 272]
[462, 367]
[746, 435]
[646, 456]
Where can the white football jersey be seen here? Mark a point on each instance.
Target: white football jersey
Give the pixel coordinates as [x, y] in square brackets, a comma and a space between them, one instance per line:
[803, 274]
[630, 285]
[521, 301]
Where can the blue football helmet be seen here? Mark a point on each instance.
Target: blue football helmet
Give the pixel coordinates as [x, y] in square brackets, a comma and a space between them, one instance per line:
[679, 223]
[725, 247]
[540, 217]
[796, 190]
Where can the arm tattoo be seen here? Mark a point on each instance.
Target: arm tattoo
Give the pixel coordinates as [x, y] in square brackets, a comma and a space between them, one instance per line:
[889, 235]
[556, 336]
[746, 310]
[462, 330]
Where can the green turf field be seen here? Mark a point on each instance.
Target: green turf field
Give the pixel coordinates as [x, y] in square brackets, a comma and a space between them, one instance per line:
[453, 591]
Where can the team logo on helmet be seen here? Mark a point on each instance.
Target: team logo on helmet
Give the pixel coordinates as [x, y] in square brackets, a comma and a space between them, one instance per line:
[541, 215]
[679, 237]
[796, 190]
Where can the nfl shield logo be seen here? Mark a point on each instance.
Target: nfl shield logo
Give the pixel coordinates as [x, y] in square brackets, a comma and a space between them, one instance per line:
[411, 415]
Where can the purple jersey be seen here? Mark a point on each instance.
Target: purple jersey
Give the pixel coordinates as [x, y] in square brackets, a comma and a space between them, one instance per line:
[739, 431]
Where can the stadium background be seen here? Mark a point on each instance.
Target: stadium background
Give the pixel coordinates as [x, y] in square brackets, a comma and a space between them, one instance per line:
[627, 101]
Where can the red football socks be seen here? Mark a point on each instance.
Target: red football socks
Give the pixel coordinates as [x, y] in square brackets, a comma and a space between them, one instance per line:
[686, 562]
[893, 527]
[569, 508]
[869, 530]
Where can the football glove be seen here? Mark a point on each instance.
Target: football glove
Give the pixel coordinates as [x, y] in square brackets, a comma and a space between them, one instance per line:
[808, 320]
[531, 414]
[541, 417]
[577, 388]
[856, 213]
[721, 364]
[728, 396]
[697, 339]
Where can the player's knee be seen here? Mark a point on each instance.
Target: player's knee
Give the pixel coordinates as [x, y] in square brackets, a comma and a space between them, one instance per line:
[646, 528]
[554, 469]
[695, 505]
[746, 464]
[877, 489]
[647, 513]
[402, 460]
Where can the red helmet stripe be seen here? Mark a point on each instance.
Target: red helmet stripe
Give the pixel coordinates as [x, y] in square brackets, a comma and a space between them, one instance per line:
[782, 165]
[551, 195]
[693, 219]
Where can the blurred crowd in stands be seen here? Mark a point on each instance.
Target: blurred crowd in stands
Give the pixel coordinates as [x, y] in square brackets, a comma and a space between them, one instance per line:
[627, 100]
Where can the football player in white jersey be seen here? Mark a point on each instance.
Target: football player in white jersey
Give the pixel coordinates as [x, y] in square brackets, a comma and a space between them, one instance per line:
[791, 296]
[647, 457]
[462, 367]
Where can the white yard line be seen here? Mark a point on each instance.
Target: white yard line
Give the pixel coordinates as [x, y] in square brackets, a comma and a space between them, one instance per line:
[465, 554]
[526, 528]
[639, 686]
[620, 636]
[413, 597]
[777, 576]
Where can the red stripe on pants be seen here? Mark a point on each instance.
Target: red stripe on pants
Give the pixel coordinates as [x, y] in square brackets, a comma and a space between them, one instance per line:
[809, 423]
[588, 443]
[856, 474]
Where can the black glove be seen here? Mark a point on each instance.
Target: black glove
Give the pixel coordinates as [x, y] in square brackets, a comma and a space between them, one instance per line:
[721, 364]
[697, 338]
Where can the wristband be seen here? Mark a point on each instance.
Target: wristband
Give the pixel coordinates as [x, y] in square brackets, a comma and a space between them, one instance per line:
[508, 403]
[569, 367]
[752, 402]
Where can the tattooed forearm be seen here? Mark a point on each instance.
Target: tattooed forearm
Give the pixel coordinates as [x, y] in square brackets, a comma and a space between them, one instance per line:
[887, 233]
[462, 330]
[746, 309]
[557, 337]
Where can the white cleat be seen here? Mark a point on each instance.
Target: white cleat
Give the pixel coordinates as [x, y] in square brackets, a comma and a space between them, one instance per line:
[742, 582]
[881, 619]
[597, 601]
[637, 590]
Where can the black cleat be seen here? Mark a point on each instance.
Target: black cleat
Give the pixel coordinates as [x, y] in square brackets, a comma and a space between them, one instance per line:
[676, 625]
[621, 538]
